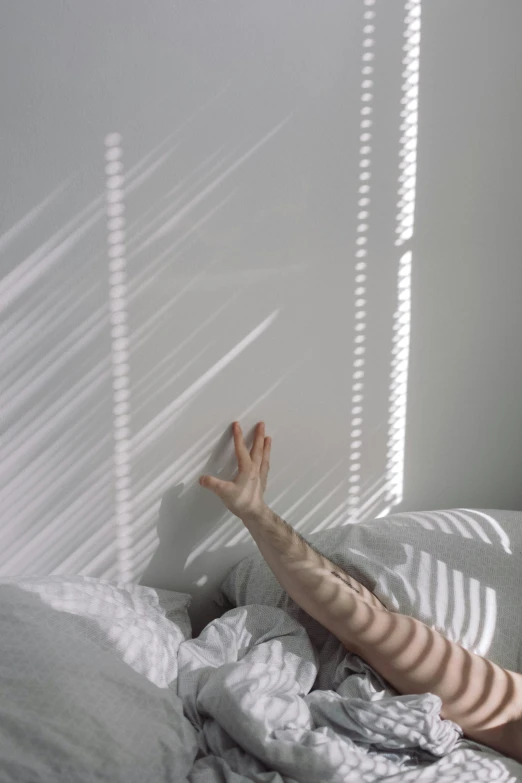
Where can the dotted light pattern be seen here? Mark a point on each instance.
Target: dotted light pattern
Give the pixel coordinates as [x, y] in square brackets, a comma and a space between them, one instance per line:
[115, 209]
[409, 122]
[404, 232]
[361, 252]
[398, 386]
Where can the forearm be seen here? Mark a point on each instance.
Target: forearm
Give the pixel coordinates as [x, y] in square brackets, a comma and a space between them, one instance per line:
[316, 584]
[478, 695]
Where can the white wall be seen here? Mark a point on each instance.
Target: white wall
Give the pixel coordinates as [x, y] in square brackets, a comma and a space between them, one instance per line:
[239, 130]
[463, 445]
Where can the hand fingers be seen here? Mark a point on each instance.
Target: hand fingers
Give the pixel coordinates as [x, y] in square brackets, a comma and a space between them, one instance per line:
[265, 464]
[257, 449]
[242, 455]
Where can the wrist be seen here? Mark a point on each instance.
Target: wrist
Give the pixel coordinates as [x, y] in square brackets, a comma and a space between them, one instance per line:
[257, 516]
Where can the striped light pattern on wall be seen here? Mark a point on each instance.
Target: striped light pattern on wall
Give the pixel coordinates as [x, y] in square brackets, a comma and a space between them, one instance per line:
[361, 252]
[404, 233]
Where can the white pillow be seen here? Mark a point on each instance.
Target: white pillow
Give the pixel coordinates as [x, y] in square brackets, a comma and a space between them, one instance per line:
[142, 626]
[459, 571]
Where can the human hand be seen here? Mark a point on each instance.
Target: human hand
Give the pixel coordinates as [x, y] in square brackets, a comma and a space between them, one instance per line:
[244, 495]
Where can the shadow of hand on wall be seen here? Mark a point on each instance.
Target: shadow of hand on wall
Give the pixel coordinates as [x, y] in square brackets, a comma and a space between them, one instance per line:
[188, 518]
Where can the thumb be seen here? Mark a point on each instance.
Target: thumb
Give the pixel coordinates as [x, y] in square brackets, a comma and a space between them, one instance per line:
[216, 485]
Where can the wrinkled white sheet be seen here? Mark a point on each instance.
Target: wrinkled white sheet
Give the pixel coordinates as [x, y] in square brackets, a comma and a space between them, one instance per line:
[249, 686]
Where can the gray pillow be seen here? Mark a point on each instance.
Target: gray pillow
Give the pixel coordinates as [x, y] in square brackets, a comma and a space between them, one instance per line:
[459, 571]
[72, 711]
[142, 626]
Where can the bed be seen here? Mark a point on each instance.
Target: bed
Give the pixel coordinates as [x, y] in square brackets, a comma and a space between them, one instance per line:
[103, 681]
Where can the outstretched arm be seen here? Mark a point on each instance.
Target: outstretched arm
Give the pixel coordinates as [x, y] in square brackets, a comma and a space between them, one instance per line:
[484, 699]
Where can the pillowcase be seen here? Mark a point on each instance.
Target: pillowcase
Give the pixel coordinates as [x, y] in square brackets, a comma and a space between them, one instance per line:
[459, 571]
[142, 626]
[73, 711]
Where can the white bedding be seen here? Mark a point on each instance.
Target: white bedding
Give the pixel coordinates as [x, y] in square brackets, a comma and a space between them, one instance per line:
[142, 626]
[245, 706]
[246, 686]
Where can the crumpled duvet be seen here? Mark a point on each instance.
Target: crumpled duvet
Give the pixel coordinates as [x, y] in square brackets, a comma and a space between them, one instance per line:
[267, 707]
